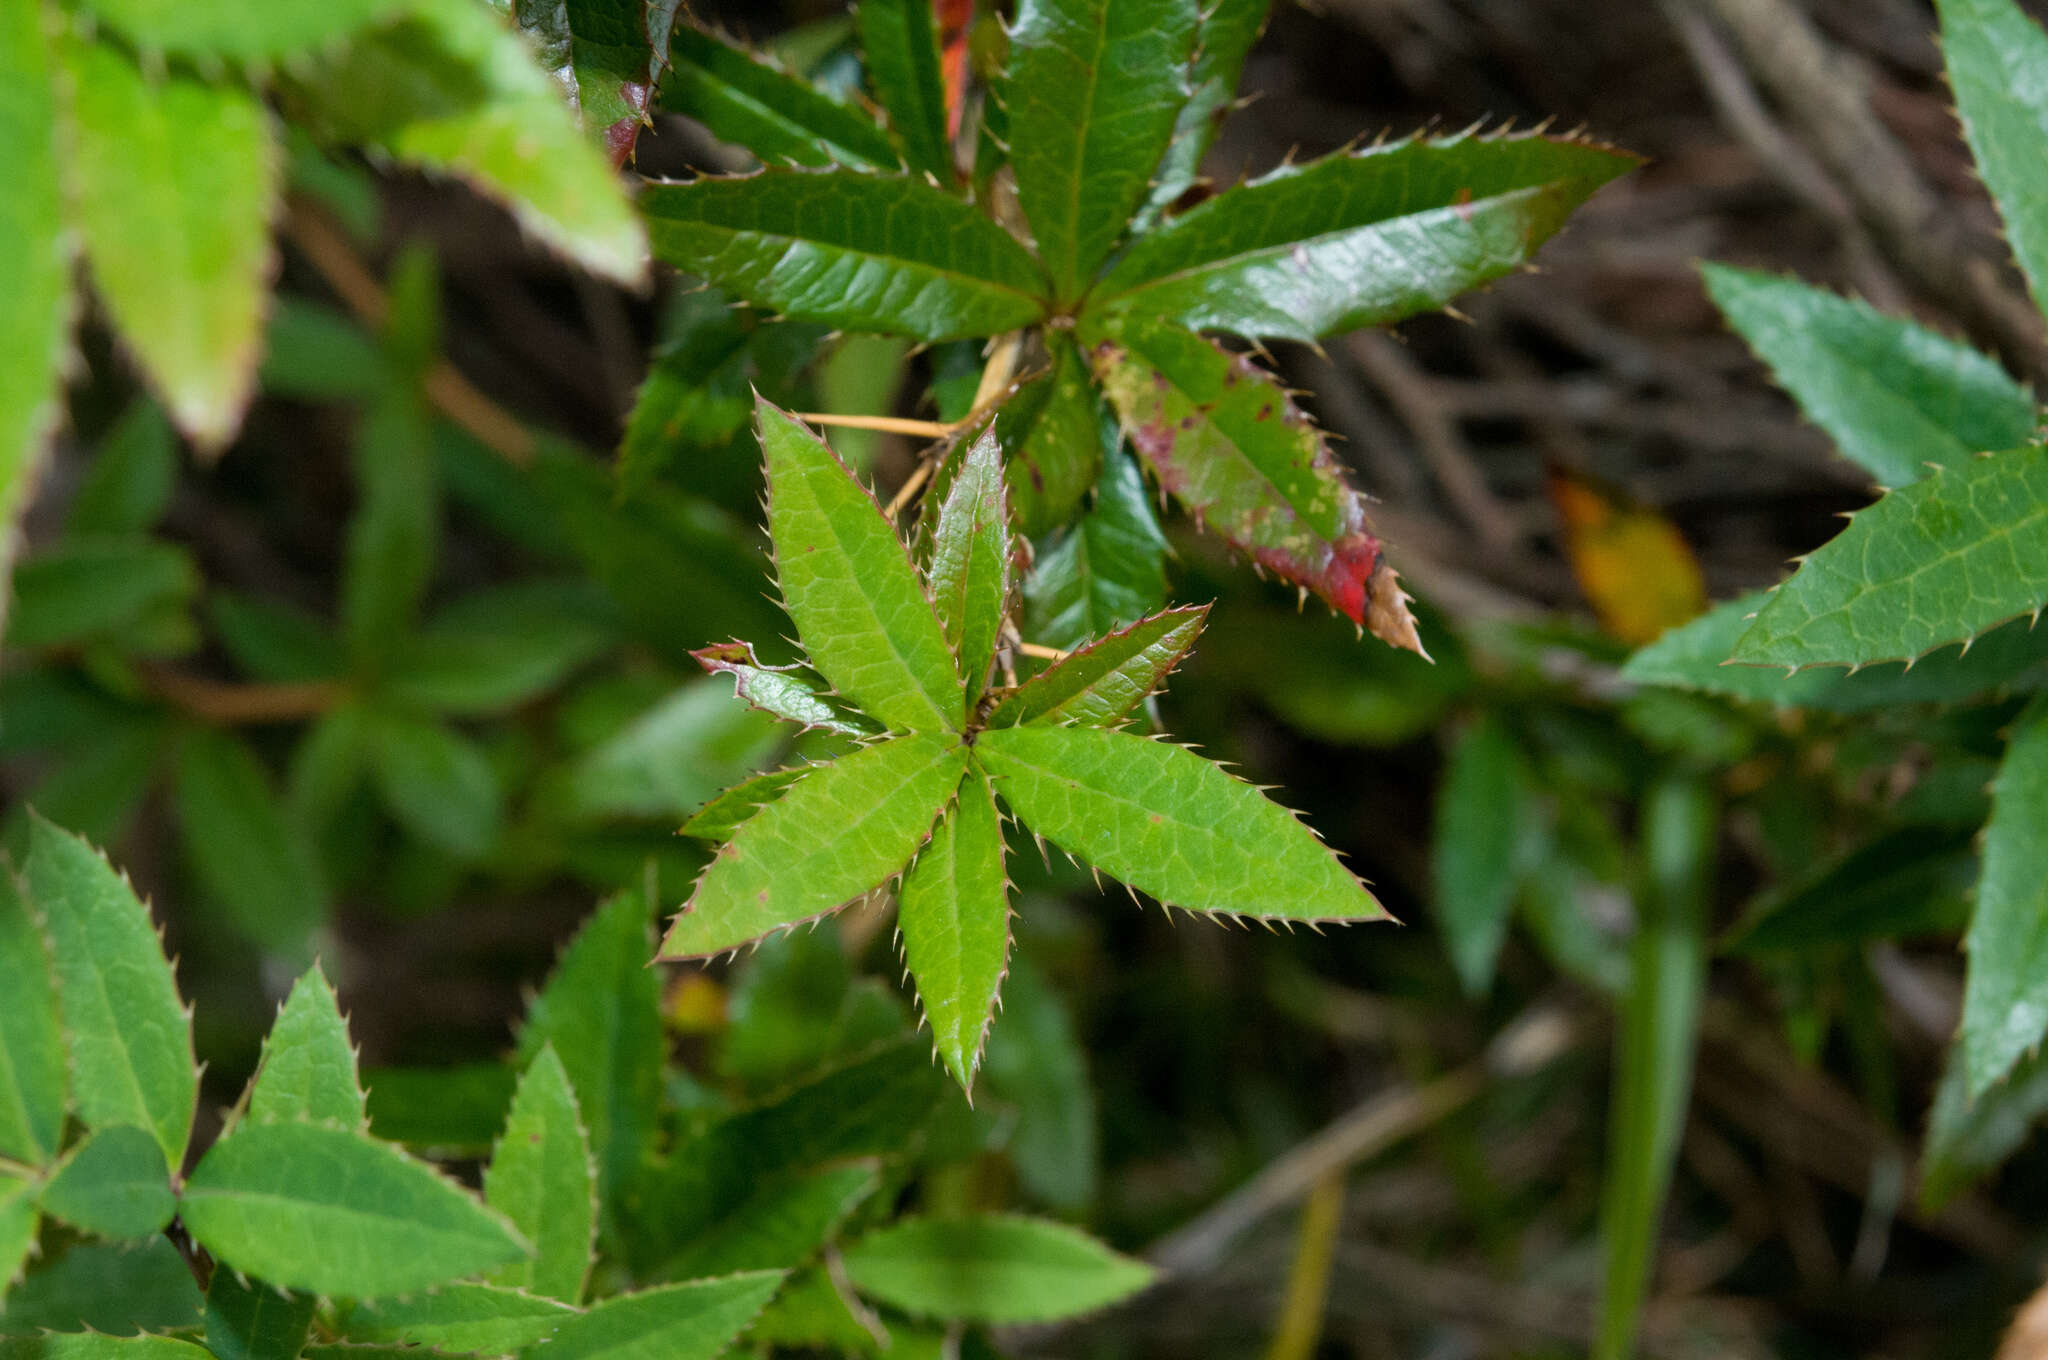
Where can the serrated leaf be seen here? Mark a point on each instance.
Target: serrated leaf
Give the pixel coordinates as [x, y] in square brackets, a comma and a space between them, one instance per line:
[1937, 562]
[241, 845]
[993, 1268]
[174, 183]
[792, 693]
[1093, 91]
[105, 1287]
[1358, 238]
[18, 1223]
[1170, 823]
[1968, 1139]
[91, 1346]
[955, 919]
[238, 33]
[2005, 999]
[129, 483]
[691, 1321]
[810, 1312]
[1228, 29]
[1051, 431]
[856, 251]
[1487, 836]
[778, 116]
[729, 811]
[1104, 682]
[874, 808]
[114, 1184]
[129, 1036]
[436, 782]
[457, 1318]
[33, 1078]
[89, 587]
[1993, 50]
[308, 1069]
[781, 1225]
[969, 572]
[1893, 396]
[900, 44]
[616, 68]
[1037, 1064]
[333, 1211]
[542, 1179]
[847, 581]
[248, 1320]
[499, 648]
[1107, 570]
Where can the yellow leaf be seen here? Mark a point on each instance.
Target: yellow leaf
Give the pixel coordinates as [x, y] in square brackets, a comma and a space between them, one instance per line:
[1633, 565]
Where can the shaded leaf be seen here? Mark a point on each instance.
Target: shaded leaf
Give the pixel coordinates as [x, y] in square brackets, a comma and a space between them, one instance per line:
[440, 1111]
[1992, 50]
[1912, 881]
[87, 587]
[1051, 433]
[2005, 999]
[308, 1068]
[793, 693]
[1104, 682]
[1635, 568]
[1968, 1139]
[33, 1076]
[781, 1225]
[1225, 35]
[542, 1179]
[246, 1320]
[1036, 1063]
[114, 1184]
[130, 480]
[394, 535]
[969, 571]
[785, 1010]
[238, 33]
[316, 353]
[780, 117]
[616, 69]
[673, 757]
[435, 782]
[955, 919]
[104, 1288]
[899, 42]
[241, 845]
[1106, 571]
[18, 1224]
[996, 1268]
[726, 813]
[496, 649]
[274, 641]
[1487, 837]
[692, 1321]
[458, 1318]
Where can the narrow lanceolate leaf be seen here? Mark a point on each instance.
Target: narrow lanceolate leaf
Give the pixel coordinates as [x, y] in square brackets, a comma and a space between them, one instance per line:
[970, 562]
[1940, 561]
[210, 30]
[459, 1318]
[18, 1221]
[848, 583]
[436, 782]
[243, 848]
[841, 830]
[1482, 847]
[955, 919]
[248, 1320]
[692, 1321]
[1894, 396]
[308, 1069]
[94, 1346]
[1108, 569]
[900, 43]
[994, 1268]
[741, 98]
[615, 67]
[1222, 42]
[175, 181]
[1993, 49]
[780, 1226]
[1049, 430]
[860, 252]
[1359, 238]
[1104, 682]
[1094, 89]
[730, 810]
[333, 1211]
[1969, 1139]
[793, 693]
[115, 1184]
[1230, 443]
[2005, 1002]
[32, 1074]
[541, 1178]
[130, 1037]
[1166, 821]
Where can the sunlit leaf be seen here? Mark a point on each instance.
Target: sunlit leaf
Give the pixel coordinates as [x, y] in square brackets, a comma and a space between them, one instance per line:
[114, 1184]
[33, 1075]
[691, 1321]
[793, 693]
[1104, 682]
[955, 919]
[780, 117]
[542, 1179]
[969, 571]
[240, 33]
[459, 1318]
[308, 1068]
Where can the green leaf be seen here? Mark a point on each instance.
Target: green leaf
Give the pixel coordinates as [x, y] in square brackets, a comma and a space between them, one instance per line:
[1104, 682]
[496, 649]
[969, 572]
[601, 1012]
[848, 583]
[810, 1313]
[855, 251]
[99, 789]
[131, 477]
[1488, 835]
[308, 1069]
[237, 33]
[1993, 50]
[436, 783]
[87, 1346]
[33, 1077]
[316, 353]
[248, 1320]
[174, 183]
[1093, 91]
[2005, 1000]
[1228, 29]
[274, 641]
[1358, 238]
[1968, 1139]
[130, 1038]
[841, 830]
[781, 1225]
[1229, 442]
[900, 44]
[673, 757]
[1050, 430]
[18, 1223]
[85, 588]
[440, 1111]
[105, 1288]
[542, 1179]
[394, 534]
[242, 846]
[1912, 881]
[955, 919]
[1036, 1063]
[1170, 823]
[1937, 562]
[451, 88]
[333, 1211]
[780, 117]
[693, 1321]
[1106, 571]
[792, 693]
[1892, 395]
[994, 1268]
[328, 766]
[785, 1011]
[460, 1318]
[114, 1184]
[616, 68]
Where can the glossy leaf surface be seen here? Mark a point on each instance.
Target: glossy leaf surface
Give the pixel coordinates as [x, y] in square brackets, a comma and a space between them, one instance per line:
[741, 98]
[2005, 1001]
[308, 1069]
[33, 1076]
[955, 919]
[1049, 433]
[616, 67]
[900, 43]
[1993, 50]
[1228, 28]
[1104, 682]
[1107, 570]
[115, 1184]
[969, 571]
[792, 693]
[997, 1268]
[542, 1179]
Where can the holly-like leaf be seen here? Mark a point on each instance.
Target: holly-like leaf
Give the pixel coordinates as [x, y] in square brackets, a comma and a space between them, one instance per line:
[1108, 569]
[175, 181]
[1050, 430]
[459, 1318]
[860, 252]
[780, 1226]
[780, 117]
[691, 1321]
[114, 1184]
[333, 1211]
[1230, 443]
[1993, 49]
[542, 1179]
[436, 782]
[129, 1036]
[1104, 682]
[220, 31]
[993, 1268]
[848, 583]
[1358, 238]
[1093, 92]
[899, 41]
[969, 572]
[955, 919]
[842, 829]
[248, 1320]
[1893, 396]
[241, 845]
[1224, 39]
[308, 1070]
[730, 810]
[2005, 1001]
[1170, 823]
[1940, 561]
[33, 1078]
[793, 693]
